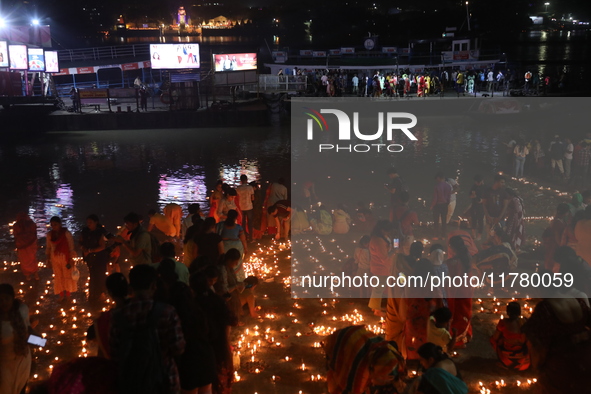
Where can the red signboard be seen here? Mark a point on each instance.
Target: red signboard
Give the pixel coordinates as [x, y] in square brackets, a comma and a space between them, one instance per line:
[130, 66]
[85, 70]
[10, 84]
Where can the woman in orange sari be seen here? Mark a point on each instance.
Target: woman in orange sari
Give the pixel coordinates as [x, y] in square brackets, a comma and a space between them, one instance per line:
[25, 239]
[460, 298]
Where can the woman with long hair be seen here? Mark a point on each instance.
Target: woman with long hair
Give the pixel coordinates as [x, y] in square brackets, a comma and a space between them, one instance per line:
[15, 355]
[233, 237]
[60, 257]
[520, 151]
[460, 297]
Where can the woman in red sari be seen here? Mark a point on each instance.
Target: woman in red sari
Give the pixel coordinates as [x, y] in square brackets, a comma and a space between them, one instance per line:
[25, 239]
[509, 342]
[460, 298]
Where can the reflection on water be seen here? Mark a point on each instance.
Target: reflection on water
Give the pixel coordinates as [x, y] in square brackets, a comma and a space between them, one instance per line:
[113, 173]
[114, 40]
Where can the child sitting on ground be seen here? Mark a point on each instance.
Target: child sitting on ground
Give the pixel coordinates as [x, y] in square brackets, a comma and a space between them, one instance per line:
[509, 342]
[438, 330]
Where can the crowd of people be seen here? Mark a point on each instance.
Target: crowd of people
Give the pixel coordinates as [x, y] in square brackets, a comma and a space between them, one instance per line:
[168, 330]
[427, 330]
[422, 83]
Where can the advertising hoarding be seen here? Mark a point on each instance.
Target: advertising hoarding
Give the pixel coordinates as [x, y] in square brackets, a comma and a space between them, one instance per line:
[18, 57]
[36, 59]
[4, 54]
[174, 56]
[235, 62]
[51, 62]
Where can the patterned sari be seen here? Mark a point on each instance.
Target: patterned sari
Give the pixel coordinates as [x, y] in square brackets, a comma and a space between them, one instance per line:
[355, 357]
[511, 347]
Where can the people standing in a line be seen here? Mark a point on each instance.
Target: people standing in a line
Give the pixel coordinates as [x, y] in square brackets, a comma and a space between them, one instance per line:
[15, 354]
[60, 257]
[439, 205]
[25, 240]
[93, 244]
[520, 151]
[245, 198]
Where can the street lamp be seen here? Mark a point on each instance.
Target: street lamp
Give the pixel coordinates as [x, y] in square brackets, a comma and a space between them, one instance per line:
[35, 22]
[546, 4]
[468, 16]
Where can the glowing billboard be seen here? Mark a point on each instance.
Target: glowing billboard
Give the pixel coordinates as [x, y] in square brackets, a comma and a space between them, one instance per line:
[36, 59]
[51, 62]
[235, 62]
[18, 57]
[3, 54]
[174, 56]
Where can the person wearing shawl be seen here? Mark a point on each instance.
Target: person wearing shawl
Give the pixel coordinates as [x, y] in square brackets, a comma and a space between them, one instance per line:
[60, 253]
[358, 360]
[25, 239]
[441, 375]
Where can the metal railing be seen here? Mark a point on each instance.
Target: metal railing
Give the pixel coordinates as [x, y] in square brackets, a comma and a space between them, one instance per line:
[282, 83]
[98, 53]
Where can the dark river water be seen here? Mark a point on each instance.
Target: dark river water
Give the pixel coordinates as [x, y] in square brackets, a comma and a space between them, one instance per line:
[111, 173]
